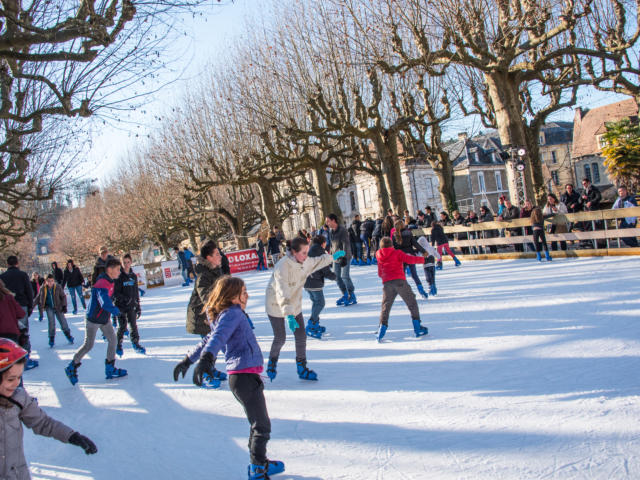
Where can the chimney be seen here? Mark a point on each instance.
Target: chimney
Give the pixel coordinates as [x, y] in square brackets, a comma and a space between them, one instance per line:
[462, 137]
[578, 115]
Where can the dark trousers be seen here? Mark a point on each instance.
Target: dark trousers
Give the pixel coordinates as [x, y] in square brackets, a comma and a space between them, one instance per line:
[280, 335]
[249, 391]
[414, 273]
[540, 240]
[365, 243]
[390, 290]
[430, 274]
[628, 241]
[261, 259]
[130, 318]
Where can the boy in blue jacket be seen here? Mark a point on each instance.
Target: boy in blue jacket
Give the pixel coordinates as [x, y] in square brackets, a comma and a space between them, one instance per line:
[98, 315]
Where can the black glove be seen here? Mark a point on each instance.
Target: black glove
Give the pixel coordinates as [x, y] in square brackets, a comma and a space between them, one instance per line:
[83, 442]
[204, 365]
[64, 309]
[343, 261]
[182, 367]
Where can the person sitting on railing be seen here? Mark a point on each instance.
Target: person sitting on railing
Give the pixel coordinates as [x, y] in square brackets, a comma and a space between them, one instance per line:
[552, 208]
[487, 216]
[625, 200]
[460, 220]
[470, 220]
[511, 212]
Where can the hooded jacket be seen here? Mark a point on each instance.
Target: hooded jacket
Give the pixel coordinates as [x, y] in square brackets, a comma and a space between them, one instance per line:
[391, 263]
[20, 409]
[315, 281]
[126, 295]
[232, 333]
[59, 298]
[206, 277]
[72, 278]
[57, 273]
[100, 305]
[284, 291]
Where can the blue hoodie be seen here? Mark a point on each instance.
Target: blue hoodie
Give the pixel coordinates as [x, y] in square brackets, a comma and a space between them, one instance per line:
[100, 306]
[232, 333]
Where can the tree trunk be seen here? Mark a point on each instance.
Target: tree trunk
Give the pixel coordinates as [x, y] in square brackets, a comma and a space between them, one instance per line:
[193, 240]
[512, 128]
[535, 164]
[383, 195]
[443, 168]
[387, 152]
[326, 196]
[164, 243]
[268, 203]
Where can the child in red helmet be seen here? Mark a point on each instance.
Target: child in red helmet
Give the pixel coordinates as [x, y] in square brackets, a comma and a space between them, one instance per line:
[16, 408]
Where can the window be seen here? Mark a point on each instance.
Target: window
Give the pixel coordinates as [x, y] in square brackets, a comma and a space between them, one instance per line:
[352, 197]
[554, 176]
[587, 171]
[541, 138]
[554, 158]
[601, 141]
[476, 156]
[483, 188]
[429, 185]
[366, 197]
[596, 172]
[498, 181]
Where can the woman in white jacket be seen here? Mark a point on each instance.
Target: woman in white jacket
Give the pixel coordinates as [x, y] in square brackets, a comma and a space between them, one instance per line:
[284, 300]
[555, 207]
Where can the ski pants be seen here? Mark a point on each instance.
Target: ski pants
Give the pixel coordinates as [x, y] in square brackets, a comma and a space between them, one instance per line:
[317, 304]
[129, 317]
[390, 290]
[72, 293]
[540, 240]
[344, 280]
[280, 335]
[51, 318]
[249, 391]
[430, 274]
[90, 337]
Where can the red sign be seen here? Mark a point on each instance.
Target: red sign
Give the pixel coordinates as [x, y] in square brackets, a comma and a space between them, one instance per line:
[242, 260]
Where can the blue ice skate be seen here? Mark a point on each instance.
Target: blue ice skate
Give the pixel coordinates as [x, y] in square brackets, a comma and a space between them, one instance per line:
[419, 329]
[313, 331]
[538, 256]
[547, 256]
[433, 290]
[139, 348]
[422, 292]
[303, 372]
[271, 368]
[381, 331]
[210, 382]
[71, 371]
[119, 351]
[351, 300]
[274, 467]
[456, 261]
[342, 300]
[110, 370]
[31, 364]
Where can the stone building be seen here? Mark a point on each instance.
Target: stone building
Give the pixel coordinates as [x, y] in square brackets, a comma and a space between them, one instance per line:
[555, 155]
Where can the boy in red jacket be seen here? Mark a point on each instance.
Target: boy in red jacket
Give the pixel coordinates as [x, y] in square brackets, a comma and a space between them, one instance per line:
[391, 271]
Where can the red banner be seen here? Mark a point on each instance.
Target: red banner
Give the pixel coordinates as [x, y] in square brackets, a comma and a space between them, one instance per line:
[242, 260]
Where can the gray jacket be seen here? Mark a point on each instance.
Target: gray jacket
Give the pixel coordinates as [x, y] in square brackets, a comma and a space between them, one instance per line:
[22, 408]
[340, 241]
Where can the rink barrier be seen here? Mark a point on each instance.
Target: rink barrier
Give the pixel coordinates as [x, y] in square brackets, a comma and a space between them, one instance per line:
[606, 220]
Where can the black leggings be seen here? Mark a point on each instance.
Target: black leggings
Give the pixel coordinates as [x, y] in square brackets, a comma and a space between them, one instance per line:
[128, 316]
[540, 240]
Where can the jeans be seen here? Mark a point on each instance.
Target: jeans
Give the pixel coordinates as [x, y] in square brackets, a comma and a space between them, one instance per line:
[260, 260]
[414, 273]
[317, 299]
[51, 317]
[358, 246]
[72, 293]
[344, 280]
[274, 258]
[365, 242]
[249, 391]
[185, 275]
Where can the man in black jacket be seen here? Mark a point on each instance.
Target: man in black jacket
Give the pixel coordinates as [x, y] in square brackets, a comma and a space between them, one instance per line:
[57, 273]
[591, 196]
[366, 232]
[340, 241]
[73, 280]
[18, 282]
[354, 235]
[126, 296]
[314, 286]
[571, 199]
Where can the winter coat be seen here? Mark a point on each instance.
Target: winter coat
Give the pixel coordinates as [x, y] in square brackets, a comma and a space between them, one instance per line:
[356, 225]
[284, 291]
[10, 312]
[367, 227]
[315, 281]
[573, 199]
[224, 264]
[18, 282]
[429, 218]
[626, 202]
[35, 285]
[353, 236]
[391, 263]
[206, 277]
[126, 295]
[232, 333]
[100, 305]
[510, 213]
[260, 246]
[59, 298]
[99, 268]
[438, 236]
[408, 244]
[487, 217]
[57, 274]
[72, 278]
[377, 229]
[430, 250]
[340, 241]
[561, 208]
[594, 196]
[460, 221]
[273, 246]
[20, 409]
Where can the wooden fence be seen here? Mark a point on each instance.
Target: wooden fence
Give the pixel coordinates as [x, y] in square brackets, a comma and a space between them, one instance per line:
[589, 234]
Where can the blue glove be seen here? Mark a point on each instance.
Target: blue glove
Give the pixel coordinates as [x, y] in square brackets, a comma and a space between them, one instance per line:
[293, 323]
[338, 255]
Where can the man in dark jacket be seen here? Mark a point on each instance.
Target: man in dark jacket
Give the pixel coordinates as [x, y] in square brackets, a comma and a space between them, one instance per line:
[208, 271]
[101, 262]
[354, 235]
[366, 233]
[126, 297]
[429, 217]
[57, 273]
[73, 279]
[591, 196]
[314, 286]
[19, 284]
[571, 199]
[340, 241]
[52, 300]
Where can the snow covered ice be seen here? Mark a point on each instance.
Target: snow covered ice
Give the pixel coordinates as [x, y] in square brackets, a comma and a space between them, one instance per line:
[529, 371]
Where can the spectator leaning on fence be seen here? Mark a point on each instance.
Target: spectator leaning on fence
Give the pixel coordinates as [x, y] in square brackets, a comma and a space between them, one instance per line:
[625, 200]
[554, 207]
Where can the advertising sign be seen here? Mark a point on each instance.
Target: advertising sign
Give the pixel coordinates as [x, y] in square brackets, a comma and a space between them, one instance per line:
[142, 276]
[171, 273]
[242, 260]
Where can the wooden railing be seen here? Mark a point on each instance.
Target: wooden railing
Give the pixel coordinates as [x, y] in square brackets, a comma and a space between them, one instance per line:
[601, 234]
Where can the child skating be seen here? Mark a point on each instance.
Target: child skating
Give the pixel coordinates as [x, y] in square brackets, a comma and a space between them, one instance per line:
[98, 315]
[314, 286]
[391, 271]
[539, 238]
[431, 257]
[17, 407]
[232, 333]
[52, 300]
[127, 300]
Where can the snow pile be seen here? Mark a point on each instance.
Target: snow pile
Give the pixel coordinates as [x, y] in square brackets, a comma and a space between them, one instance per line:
[529, 371]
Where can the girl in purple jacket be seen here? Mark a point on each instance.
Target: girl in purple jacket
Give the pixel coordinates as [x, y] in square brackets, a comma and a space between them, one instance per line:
[231, 331]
